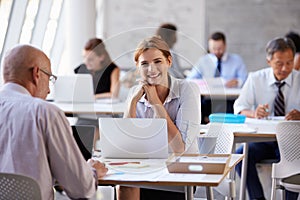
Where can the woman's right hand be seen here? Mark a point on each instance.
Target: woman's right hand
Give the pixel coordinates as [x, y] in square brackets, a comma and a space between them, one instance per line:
[138, 93]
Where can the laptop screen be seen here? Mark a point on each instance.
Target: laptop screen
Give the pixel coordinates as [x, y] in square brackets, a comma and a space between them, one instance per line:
[133, 138]
[76, 88]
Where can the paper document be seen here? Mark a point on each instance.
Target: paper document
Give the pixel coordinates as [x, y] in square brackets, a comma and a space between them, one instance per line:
[264, 125]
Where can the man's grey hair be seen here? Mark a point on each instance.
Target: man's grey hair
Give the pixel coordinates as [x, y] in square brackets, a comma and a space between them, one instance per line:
[279, 44]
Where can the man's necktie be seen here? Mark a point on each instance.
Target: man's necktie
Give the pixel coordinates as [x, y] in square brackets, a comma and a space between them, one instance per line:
[279, 108]
[218, 70]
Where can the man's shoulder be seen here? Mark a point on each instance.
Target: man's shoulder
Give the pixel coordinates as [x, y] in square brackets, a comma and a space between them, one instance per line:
[296, 73]
[205, 60]
[206, 57]
[45, 106]
[261, 75]
[235, 56]
[295, 77]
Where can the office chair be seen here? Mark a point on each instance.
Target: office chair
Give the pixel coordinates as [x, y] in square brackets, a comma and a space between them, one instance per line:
[224, 145]
[286, 173]
[16, 186]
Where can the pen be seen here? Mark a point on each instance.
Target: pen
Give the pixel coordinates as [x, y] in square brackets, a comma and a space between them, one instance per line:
[266, 110]
[123, 163]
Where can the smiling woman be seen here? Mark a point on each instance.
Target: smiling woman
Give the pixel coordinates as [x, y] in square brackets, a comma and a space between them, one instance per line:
[160, 95]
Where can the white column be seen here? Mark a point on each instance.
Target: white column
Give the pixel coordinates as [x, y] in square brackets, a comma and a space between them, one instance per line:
[80, 27]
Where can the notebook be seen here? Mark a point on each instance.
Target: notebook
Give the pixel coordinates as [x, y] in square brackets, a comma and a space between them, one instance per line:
[77, 88]
[133, 138]
[84, 137]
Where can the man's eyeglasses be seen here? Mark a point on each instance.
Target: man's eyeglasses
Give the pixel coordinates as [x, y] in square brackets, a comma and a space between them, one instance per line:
[52, 77]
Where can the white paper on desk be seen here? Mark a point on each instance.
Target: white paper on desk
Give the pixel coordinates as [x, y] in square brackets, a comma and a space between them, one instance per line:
[263, 125]
[127, 176]
[276, 118]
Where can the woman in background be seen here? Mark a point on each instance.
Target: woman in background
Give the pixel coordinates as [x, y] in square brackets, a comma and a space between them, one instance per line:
[160, 95]
[105, 73]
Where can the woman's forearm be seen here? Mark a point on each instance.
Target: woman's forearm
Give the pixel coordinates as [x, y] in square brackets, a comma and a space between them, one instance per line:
[174, 136]
[131, 110]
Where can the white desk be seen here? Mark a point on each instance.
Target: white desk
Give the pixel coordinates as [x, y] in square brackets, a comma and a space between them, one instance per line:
[254, 130]
[212, 91]
[155, 173]
[96, 108]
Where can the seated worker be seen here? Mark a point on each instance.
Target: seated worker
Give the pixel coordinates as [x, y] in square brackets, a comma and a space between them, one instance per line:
[160, 95]
[273, 91]
[296, 39]
[167, 32]
[219, 63]
[36, 137]
[105, 73]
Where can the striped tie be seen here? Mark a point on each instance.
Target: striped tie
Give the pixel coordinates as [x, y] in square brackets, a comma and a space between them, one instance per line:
[279, 109]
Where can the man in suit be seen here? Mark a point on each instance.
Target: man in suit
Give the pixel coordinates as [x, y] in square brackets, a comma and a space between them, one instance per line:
[219, 63]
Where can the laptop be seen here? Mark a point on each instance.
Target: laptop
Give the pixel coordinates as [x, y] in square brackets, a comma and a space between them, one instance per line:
[77, 88]
[84, 137]
[133, 138]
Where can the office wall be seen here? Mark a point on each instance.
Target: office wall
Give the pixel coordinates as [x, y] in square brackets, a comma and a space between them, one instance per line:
[250, 24]
[124, 23]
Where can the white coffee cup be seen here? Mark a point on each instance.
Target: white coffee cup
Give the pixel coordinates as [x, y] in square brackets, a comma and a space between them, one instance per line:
[206, 144]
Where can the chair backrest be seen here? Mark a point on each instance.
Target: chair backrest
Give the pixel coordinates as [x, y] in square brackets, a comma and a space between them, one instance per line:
[288, 138]
[16, 186]
[224, 135]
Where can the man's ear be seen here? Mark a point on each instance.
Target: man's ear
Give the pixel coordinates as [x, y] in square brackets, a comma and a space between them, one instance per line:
[35, 75]
[170, 60]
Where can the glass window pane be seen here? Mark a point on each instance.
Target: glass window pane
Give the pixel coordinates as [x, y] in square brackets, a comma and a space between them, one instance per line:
[28, 25]
[5, 9]
[52, 26]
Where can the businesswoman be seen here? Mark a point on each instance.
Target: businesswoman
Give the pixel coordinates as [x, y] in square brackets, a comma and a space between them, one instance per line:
[160, 95]
[105, 73]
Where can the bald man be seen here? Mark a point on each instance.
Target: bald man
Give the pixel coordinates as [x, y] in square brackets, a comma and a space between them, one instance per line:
[36, 138]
